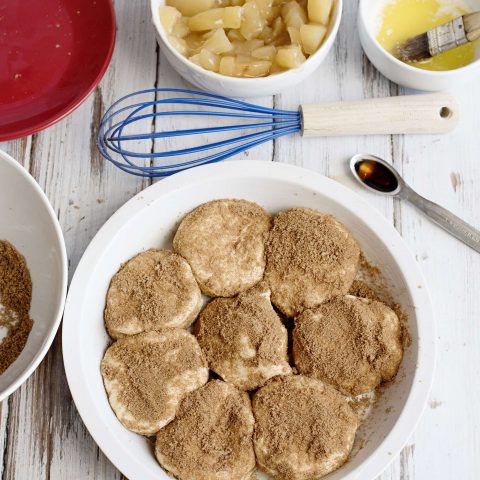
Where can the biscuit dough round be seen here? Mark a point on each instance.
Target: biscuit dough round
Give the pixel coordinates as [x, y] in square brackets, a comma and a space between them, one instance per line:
[311, 257]
[351, 343]
[304, 429]
[155, 289]
[244, 339]
[147, 375]
[224, 242]
[211, 436]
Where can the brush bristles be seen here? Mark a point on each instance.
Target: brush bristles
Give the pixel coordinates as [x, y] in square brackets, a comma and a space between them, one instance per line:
[415, 49]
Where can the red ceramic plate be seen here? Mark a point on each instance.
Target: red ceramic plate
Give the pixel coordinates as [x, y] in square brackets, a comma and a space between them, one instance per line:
[52, 55]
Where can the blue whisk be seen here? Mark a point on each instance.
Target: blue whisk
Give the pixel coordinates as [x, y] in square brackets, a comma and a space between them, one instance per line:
[268, 123]
[407, 114]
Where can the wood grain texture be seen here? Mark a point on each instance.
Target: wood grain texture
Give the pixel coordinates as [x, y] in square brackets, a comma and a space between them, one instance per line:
[41, 434]
[413, 114]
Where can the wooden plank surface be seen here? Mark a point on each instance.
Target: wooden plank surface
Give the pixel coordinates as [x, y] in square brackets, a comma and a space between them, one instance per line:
[41, 434]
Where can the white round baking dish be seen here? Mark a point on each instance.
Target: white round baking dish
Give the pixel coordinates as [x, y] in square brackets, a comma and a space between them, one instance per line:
[153, 216]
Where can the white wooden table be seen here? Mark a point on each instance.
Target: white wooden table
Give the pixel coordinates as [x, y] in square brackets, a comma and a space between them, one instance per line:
[41, 433]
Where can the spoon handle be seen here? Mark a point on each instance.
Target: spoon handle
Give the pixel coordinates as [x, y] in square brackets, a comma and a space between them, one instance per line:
[447, 220]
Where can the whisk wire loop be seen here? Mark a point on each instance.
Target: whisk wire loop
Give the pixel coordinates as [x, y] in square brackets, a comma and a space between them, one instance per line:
[202, 148]
[272, 124]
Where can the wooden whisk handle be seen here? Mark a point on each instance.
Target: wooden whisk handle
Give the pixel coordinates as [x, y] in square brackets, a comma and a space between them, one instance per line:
[472, 26]
[430, 113]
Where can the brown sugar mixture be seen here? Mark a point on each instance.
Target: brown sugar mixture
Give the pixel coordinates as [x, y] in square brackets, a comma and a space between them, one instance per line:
[371, 284]
[223, 241]
[211, 437]
[303, 353]
[304, 429]
[15, 300]
[243, 338]
[311, 257]
[147, 375]
[153, 290]
[351, 343]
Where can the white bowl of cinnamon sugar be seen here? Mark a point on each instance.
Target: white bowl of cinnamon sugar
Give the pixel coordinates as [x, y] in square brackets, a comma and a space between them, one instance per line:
[33, 275]
[383, 428]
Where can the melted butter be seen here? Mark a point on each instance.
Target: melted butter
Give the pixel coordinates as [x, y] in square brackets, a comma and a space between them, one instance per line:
[404, 19]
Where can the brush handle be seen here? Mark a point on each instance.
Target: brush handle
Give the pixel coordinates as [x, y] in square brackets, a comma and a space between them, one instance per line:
[472, 26]
[431, 113]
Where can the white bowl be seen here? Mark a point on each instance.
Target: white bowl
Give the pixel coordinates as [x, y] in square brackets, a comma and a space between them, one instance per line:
[153, 215]
[243, 87]
[399, 72]
[28, 222]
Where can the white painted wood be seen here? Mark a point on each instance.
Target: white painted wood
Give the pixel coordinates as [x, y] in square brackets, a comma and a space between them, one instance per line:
[41, 434]
[414, 114]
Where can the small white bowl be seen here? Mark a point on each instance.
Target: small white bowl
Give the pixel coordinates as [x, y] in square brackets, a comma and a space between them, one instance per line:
[399, 72]
[244, 87]
[29, 223]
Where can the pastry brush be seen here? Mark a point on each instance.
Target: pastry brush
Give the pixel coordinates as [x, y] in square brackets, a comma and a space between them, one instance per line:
[441, 39]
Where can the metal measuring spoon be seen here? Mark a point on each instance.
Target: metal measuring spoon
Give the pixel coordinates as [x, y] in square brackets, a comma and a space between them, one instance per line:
[378, 176]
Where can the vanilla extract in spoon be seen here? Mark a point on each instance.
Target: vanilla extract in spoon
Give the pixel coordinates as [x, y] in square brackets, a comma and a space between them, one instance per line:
[378, 176]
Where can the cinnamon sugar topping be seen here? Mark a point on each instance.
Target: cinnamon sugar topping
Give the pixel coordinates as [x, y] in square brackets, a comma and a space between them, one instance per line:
[351, 343]
[243, 338]
[15, 300]
[155, 289]
[311, 257]
[304, 429]
[147, 375]
[211, 436]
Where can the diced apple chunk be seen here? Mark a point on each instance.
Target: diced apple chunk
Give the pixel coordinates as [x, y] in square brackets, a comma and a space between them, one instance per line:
[265, 53]
[319, 11]
[265, 7]
[312, 37]
[196, 59]
[235, 35]
[257, 68]
[232, 17]
[179, 44]
[277, 27]
[169, 16]
[209, 60]
[252, 22]
[266, 35]
[208, 20]
[181, 29]
[247, 47]
[227, 66]
[191, 7]
[218, 42]
[294, 15]
[294, 34]
[289, 57]
[194, 42]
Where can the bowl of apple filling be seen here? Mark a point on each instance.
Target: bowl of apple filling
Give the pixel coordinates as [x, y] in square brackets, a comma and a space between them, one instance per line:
[246, 48]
